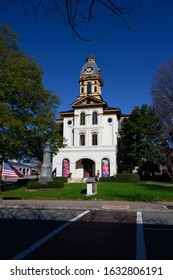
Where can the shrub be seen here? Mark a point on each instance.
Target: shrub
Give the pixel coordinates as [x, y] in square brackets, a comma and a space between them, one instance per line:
[107, 179]
[164, 177]
[127, 177]
[55, 184]
[33, 185]
[49, 185]
[60, 179]
[22, 181]
[121, 177]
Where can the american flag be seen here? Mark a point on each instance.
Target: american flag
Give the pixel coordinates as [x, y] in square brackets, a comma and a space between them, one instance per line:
[10, 171]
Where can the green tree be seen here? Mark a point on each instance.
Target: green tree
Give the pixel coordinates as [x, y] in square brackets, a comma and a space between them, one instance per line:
[142, 139]
[27, 109]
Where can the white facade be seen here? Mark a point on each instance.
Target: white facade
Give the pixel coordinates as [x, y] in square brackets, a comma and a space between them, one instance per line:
[90, 131]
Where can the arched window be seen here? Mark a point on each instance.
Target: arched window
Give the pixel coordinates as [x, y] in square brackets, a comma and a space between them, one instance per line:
[65, 167]
[94, 139]
[105, 167]
[82, 89]
[82, 118]
[89, 88]
[82, 140]
[95, 88]
[94, 118]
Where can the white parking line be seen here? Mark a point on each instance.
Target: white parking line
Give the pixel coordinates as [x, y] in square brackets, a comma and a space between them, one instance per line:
[140, 242]
[37, 244]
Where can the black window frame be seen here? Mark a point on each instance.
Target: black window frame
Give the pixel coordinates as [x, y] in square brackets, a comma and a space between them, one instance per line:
[82, 118]
[94, 139]
[82, 140]
[94, 117]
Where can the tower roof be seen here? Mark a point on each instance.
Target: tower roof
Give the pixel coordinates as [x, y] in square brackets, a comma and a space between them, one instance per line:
[90, 64]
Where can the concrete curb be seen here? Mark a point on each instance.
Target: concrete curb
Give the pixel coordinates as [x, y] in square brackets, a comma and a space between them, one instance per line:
[87, 205]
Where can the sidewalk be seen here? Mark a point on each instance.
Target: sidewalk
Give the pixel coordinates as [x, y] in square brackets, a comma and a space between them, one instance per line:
[162, 206]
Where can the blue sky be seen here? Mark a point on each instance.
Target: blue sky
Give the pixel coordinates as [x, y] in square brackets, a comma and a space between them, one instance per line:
[128, 58]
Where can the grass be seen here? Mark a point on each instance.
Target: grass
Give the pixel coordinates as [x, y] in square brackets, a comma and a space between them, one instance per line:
[141, 191]
[70, 191]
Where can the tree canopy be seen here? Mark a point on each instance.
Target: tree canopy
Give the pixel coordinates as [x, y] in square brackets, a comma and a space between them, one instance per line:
[162, 93]
[27, 109]
[142, 138]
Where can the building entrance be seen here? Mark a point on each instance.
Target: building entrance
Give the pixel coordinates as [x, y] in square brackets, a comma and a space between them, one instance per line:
[88, 168]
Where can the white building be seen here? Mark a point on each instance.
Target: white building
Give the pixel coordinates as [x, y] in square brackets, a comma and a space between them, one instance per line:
[90, 130]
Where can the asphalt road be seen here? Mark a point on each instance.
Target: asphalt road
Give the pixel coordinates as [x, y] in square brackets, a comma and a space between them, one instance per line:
[158, 233]
[96, 234]
[20, 228]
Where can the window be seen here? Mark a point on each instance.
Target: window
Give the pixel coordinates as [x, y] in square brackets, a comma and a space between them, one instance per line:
[82, 89]
[94, 118]
[105, 167]
[89, 88]
[95, 88]
[109, 120]
[94, 139]
[82, 140]
[65, 167]
[82, 118]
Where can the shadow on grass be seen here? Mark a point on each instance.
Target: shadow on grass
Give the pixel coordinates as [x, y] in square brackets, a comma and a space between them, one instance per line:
[11, 198]
[10, 187]
[84, 191]
[156, 187]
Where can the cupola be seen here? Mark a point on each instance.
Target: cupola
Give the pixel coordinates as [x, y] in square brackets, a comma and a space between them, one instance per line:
[90, 79]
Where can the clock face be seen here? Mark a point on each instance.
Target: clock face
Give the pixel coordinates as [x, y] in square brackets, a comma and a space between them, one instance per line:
[89, 69]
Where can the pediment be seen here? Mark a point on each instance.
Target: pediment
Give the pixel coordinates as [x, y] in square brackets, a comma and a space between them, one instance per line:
[89, 101]
[89, 77]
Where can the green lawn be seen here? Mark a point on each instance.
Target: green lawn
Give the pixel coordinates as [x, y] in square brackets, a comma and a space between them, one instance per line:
[142, 191]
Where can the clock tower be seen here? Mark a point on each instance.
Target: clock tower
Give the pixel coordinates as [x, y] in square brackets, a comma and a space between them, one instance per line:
[90, 131]
[90, 79]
